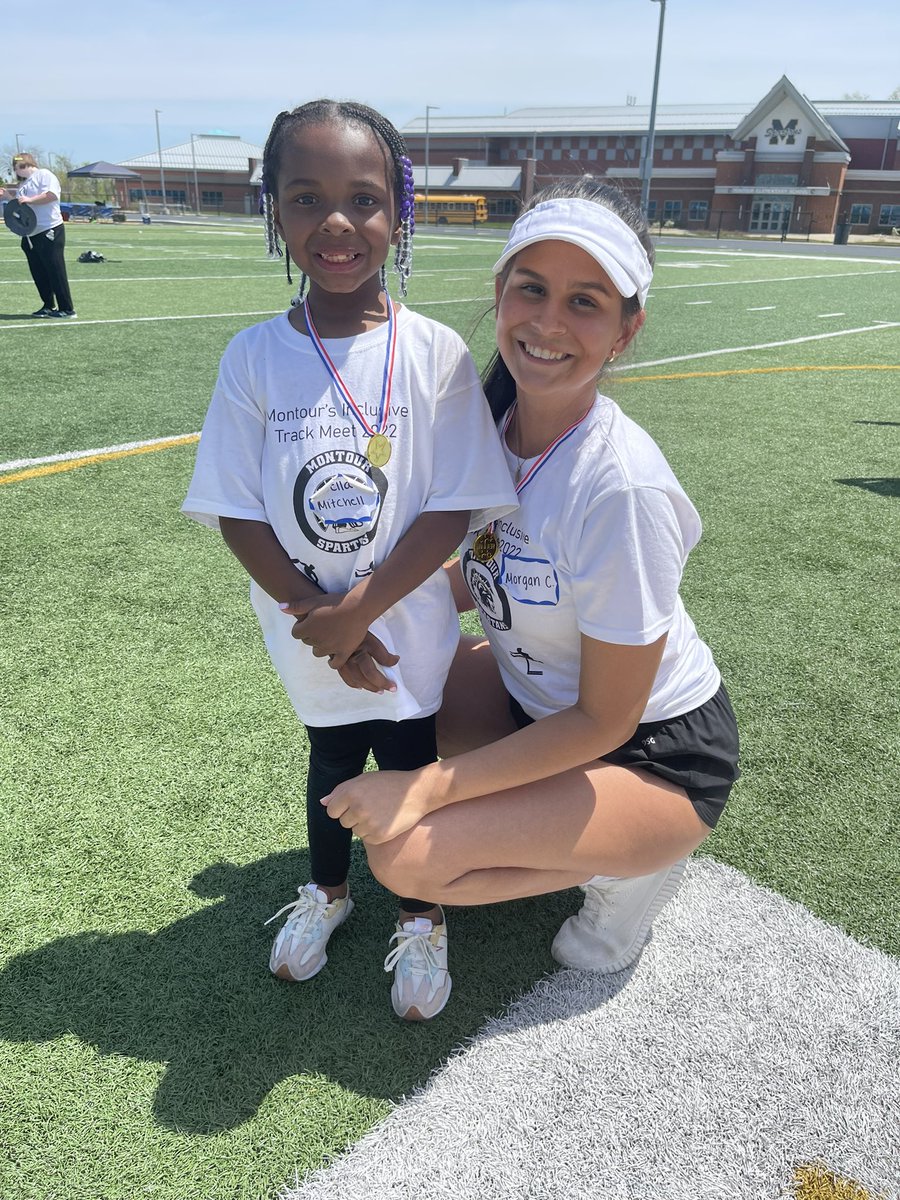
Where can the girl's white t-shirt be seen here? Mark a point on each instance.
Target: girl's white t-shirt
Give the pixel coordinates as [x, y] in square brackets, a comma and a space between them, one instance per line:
[597, 547]
[279, 446]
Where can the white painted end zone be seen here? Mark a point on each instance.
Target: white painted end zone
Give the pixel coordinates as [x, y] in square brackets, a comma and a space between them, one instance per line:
[750, 1039]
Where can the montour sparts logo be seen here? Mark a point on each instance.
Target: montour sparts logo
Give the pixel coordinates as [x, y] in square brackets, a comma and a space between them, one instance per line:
[783, 134]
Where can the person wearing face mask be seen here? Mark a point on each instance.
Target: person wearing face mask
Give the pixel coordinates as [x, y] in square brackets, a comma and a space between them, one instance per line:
[45, 246]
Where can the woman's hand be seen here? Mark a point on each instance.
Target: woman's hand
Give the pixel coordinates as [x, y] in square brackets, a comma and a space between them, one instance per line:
[379, 805]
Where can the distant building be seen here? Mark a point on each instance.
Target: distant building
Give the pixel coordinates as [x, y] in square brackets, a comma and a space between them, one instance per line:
[786, 164]
[210, 173]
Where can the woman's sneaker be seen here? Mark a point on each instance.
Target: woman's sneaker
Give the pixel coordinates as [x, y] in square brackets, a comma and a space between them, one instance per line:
[45, 312]
[422, 982]
[298, 951]
[609, 931]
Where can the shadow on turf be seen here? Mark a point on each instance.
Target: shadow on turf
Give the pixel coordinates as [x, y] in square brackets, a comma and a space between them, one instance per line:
[882, 487]
[197, 996]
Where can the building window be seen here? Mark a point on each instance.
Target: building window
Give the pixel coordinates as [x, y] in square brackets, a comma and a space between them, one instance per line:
[601, 143]
[592, 155]
[556, 155]
[672, 210]
[698, 210]
[687, 155]
[860, 214]
[889, 215]
[678, 143]
[667, 155]
[567, 144]
[651, 210]
[708, 152]
[503, 207]
[211, 199]
[610, 155]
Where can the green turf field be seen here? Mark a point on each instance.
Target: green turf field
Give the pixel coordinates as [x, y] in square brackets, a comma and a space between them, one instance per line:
[153, 769]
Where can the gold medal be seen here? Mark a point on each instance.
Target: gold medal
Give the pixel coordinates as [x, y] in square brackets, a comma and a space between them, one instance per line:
[485, 545]
[378, 451]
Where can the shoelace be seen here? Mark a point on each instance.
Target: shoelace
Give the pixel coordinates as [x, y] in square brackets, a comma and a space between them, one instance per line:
[303, 909]
[414, 946]
[600, 903]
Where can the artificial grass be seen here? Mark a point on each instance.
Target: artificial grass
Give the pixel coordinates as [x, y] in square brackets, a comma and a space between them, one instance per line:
[154, 771]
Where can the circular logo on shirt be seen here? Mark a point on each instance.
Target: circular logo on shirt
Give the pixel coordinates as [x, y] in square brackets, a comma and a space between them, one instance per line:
[483, 581]
[338, 497]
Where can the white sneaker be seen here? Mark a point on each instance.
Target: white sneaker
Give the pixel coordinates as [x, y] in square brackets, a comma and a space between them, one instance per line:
[609, 931]
[298, 951]
[422, 982]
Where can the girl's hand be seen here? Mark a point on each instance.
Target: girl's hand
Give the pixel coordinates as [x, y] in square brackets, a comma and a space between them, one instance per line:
[330, 625]
[379, 805]
[361, 668]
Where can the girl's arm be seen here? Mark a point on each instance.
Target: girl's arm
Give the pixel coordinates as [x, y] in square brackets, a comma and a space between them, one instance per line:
[462, 597]
[255, 546]
[334, 625]
[614, 685]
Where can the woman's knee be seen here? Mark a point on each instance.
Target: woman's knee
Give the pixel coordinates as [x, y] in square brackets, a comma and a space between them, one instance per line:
[402, 864]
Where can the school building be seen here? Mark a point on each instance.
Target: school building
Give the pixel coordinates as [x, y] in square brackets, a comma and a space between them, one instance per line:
[785, 165]
[211, 173]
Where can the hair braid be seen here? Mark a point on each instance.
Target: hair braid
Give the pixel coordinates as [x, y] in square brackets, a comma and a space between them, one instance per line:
[321, 112]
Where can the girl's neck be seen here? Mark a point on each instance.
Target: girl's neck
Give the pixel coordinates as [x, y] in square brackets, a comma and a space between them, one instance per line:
[344, 314]
[536, 423]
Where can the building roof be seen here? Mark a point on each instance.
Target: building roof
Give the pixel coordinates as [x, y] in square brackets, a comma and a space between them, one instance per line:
[472, 178]
[623, 118]
[204, 152]
[784, 91]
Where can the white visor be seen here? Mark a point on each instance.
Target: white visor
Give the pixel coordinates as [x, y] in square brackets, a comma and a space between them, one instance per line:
[597, 230]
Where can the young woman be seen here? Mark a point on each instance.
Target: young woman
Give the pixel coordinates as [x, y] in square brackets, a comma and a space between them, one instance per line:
[589, 741]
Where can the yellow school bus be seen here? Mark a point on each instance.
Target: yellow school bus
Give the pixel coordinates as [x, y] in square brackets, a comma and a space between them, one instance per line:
[451, 208]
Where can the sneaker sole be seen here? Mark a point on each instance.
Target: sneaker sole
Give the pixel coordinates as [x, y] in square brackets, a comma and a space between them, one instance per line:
[413, 1014]
[667, 890]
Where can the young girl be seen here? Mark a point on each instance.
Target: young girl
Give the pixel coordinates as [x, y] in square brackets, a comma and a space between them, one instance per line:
[346, 445]
[595, 745]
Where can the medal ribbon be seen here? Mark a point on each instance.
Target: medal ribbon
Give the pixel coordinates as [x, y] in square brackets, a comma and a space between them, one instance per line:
[384, 407]
[541, 460]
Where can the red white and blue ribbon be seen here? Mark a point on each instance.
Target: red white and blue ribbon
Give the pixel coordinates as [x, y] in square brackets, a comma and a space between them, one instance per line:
[384, 407]
[542, 458]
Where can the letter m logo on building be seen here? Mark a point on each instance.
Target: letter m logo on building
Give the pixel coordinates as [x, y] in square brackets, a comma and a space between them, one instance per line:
[782, 133]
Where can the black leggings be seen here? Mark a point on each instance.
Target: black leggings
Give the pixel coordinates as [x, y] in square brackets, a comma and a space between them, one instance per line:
[338, 753]
[46, 262]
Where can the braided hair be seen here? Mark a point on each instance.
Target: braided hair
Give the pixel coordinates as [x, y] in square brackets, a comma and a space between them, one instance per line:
[499, 385]
[324, 112]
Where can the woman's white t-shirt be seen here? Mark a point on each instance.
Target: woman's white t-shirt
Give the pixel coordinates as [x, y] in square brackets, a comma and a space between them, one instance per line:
[597, 547]
[48, 215]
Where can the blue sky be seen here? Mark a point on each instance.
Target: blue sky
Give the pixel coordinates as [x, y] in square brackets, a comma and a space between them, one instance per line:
[88, 83]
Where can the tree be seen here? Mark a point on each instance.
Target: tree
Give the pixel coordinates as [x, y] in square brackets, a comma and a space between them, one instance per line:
[895, 94]
[856, 96]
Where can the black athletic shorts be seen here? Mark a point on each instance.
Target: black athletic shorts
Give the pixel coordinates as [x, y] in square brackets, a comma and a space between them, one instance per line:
[698, 751]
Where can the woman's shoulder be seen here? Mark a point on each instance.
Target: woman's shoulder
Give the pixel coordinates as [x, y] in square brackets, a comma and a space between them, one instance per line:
[626, 451]
[416, 325]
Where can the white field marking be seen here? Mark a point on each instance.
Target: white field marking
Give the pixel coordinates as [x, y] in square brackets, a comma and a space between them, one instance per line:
[762, 254]
[762, 308]
[813, 337]
[821, 315]
[19, 463]
[688, 303]
[79, 324]
[156, 279]
[668, 287]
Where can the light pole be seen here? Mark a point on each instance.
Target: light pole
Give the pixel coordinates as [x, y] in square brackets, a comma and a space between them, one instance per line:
[194, 164]
[162, 174]
[647, 164]
[428, 108]
[18, 147]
